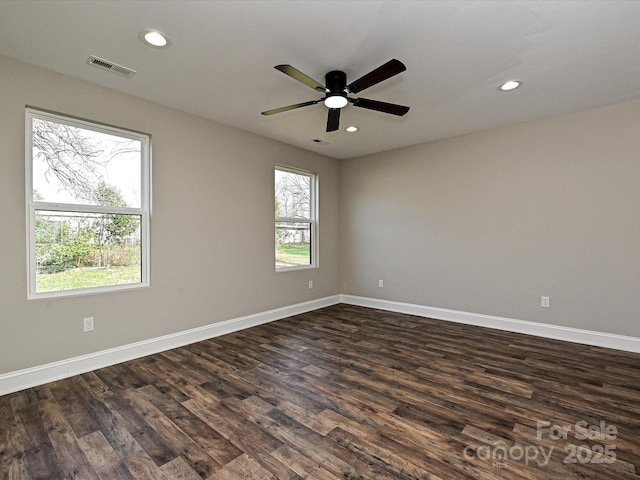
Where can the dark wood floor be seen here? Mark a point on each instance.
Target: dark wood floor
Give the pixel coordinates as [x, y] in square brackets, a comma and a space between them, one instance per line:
[340, 393]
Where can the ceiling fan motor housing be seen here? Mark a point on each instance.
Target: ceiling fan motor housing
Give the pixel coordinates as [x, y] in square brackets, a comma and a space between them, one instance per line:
[336, 81]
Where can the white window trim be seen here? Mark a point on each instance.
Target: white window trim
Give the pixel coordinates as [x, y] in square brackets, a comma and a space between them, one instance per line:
[313, 218]
[144, 211]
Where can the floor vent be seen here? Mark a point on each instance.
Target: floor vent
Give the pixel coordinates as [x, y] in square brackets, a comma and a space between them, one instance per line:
[103, 64]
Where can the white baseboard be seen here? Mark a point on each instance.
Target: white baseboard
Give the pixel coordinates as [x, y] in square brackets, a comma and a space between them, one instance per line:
[31, 377]
[568, 334]
[39, 375]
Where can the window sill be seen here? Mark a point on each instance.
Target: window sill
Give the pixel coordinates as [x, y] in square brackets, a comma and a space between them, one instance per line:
[85, 291]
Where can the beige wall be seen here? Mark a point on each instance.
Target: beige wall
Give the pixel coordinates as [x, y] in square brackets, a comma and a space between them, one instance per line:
[212, 226]
[490, 222]
[484, 223]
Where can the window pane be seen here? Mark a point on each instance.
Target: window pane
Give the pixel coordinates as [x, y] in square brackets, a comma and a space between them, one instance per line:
[80, 166]
[293, 244]
[84, 250]
[293, 195]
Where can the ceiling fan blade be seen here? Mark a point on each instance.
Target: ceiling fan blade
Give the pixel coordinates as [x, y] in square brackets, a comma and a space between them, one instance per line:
[291, 107]
[333, 119]
[378, 106]
[380, 74]
[301, 77]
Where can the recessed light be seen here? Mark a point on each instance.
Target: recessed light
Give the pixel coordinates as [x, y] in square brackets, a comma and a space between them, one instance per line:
[510, 85]
[352, 129]
[154, 38]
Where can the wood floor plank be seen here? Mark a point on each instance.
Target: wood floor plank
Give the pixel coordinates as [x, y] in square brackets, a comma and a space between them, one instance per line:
[243, 468]
[301, 464]
[156, 371]
[305, 440]
[142, 467]
[111, 423]
[179, 469]
[74, 410]
[144, 435]
[13, 443]
[100, 455]
[215, 445]
[64, 442]
[190, 450]
[343, 392]
[247, 436]
[42, 462]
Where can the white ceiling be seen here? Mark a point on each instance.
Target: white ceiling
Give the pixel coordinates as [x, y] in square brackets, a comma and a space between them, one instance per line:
[571, 55]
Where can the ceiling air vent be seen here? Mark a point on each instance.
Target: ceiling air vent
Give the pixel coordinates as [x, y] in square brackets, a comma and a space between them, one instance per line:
[103, 64]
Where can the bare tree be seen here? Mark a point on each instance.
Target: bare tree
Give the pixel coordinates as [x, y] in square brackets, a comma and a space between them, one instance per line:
[292, 194]
[75, 159]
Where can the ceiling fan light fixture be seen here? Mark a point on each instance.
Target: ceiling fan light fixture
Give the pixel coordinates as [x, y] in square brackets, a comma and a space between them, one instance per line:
[510, 85]
[337, 91]
[336, 101]
[154, 38]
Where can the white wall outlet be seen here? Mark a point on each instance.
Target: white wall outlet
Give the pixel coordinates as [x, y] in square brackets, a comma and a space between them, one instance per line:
[310, 283]
[544, 302]
[381, 283]
[87, 324]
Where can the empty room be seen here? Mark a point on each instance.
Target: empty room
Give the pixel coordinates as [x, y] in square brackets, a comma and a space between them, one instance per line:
[365, 240]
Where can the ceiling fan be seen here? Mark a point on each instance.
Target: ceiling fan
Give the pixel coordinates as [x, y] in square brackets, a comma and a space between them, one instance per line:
[337, 91]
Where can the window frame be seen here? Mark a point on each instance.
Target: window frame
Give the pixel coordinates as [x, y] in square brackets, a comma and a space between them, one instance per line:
[312, 220]
[33, 206]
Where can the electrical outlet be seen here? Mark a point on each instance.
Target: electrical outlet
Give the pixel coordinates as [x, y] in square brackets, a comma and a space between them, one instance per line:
[88, 324]
[544, 302]
[310, 283]
[381, 283]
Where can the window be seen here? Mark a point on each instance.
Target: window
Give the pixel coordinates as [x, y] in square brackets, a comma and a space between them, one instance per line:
[87, 206]
[295, 219]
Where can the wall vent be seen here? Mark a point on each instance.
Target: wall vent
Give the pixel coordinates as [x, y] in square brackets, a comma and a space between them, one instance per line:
[112, 67]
